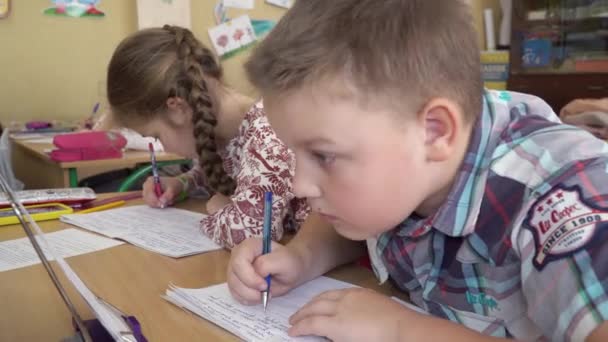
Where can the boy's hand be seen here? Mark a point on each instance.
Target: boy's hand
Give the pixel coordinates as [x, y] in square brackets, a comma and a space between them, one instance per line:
[171, 186]
[217, 202]
[350, 315]
[247, 269]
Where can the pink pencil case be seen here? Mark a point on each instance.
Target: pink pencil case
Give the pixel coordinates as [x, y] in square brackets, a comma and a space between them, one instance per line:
[88, 146]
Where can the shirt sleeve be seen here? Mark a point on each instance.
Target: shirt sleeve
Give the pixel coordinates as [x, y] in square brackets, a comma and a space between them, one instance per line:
[195, 177]
[265, 165]
[564, 252]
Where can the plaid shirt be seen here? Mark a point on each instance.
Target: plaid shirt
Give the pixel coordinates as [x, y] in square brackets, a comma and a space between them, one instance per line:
[520, 247]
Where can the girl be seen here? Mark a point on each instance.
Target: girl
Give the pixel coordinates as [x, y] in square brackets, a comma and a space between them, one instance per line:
[163, 83]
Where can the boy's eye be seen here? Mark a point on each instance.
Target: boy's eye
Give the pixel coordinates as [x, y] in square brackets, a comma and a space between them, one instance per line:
[324, 158]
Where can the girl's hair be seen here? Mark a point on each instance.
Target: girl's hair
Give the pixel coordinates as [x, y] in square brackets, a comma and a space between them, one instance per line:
[153, 65]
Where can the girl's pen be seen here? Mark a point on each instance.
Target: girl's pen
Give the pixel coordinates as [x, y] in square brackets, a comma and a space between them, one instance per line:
[157, 187]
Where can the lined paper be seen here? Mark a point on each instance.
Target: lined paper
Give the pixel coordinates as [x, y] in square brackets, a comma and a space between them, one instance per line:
[172, 232]
[66, 243]
[251, 323]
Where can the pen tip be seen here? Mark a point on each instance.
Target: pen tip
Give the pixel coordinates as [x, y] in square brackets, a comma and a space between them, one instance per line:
[265, 299]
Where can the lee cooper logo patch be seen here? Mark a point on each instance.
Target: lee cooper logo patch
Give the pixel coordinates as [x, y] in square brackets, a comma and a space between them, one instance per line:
[562, 222]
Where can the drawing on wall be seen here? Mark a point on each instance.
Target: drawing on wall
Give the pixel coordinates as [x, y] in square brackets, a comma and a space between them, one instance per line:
[75, 8]
[156, 13]
[232, 36]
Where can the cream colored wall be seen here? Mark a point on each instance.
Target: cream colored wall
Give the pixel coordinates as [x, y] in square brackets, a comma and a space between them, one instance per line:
[53, 68]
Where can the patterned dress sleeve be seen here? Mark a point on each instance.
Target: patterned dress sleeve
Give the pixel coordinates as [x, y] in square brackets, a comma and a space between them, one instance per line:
[259, 162]
[195, 178]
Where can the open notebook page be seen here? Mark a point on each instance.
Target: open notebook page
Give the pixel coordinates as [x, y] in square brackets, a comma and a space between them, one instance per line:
[67, 243]
[250, 323]
[171, 231]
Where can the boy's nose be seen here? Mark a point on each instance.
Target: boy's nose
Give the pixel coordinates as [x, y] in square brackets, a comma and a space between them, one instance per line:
[304, 185]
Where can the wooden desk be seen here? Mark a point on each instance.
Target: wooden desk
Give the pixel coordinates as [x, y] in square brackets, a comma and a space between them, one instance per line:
[130, 278]
[34, 167]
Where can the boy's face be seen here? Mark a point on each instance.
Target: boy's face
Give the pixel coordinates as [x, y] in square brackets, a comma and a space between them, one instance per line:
[362, 168]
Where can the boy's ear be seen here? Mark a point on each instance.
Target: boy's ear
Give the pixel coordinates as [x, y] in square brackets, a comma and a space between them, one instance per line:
[443, 123]
[179, 112]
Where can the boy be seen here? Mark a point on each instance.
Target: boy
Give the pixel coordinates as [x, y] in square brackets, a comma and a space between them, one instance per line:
[481, 205]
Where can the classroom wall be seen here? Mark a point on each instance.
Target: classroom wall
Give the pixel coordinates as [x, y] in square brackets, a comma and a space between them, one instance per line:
[53, 68]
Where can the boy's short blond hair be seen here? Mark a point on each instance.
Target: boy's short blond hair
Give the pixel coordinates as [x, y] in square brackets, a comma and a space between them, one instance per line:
[408, 49]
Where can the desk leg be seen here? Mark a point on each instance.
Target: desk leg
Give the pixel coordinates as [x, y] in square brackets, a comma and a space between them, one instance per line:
[73, 177]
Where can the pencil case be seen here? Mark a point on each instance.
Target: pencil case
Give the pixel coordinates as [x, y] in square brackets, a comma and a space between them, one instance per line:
[88, 146]
[38, 212]
[69, 196]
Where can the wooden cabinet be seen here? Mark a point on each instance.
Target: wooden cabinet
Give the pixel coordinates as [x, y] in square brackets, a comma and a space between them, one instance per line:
[559, 49]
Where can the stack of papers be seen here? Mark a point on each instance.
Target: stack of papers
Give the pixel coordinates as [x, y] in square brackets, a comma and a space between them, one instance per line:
[172, 232]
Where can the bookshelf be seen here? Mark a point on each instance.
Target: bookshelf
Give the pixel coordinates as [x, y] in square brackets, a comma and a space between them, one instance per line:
[559, 49]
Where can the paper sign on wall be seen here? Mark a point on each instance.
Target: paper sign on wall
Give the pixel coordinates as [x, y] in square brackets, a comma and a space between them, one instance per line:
[242, 4]
[281, 3]
[232, 36]
[74, 8]
[156, 13]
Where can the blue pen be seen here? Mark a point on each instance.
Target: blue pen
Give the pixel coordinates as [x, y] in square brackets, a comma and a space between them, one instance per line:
[266, 243]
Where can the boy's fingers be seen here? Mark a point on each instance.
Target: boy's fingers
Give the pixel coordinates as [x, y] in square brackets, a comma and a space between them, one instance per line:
[331, 295]
[317, 325]
[318, 307]
[242, 293]
[244, 272]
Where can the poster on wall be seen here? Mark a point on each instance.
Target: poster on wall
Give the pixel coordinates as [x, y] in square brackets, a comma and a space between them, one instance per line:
[156, 13]
[74, 8]
[232, 36]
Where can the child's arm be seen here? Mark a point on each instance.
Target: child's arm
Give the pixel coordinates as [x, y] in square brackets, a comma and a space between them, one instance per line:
[241, 216]
[321, 248]
[263, 165]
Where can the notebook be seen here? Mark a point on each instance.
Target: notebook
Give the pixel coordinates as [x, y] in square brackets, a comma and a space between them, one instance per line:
[172, 232]
[251, 323]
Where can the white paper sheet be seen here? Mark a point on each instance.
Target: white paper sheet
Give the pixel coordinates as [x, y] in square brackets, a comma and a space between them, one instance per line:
[46, 140]
[156, 13]
[171, 231]
[68, 242]
[281, 3]
[250, 323]
[242, 4]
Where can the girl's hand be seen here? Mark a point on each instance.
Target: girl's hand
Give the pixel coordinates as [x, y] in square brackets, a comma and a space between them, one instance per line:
[171, 186]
